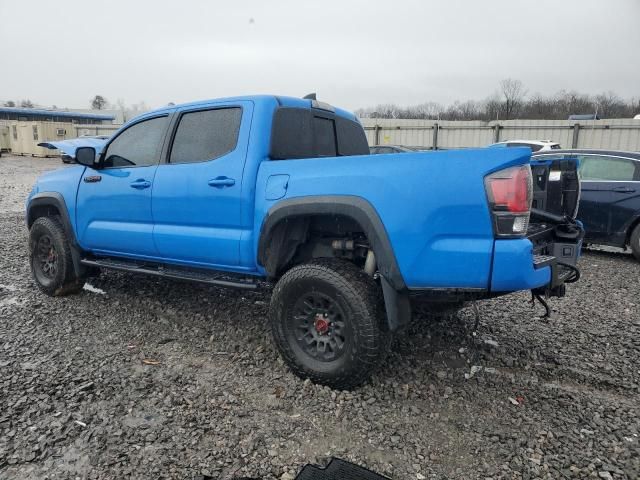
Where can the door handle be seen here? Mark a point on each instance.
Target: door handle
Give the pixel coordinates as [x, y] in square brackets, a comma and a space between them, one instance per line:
[140, 184]
[624, 190]
[220, 182]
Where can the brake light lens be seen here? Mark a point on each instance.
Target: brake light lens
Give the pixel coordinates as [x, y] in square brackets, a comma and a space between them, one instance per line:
[510, 192]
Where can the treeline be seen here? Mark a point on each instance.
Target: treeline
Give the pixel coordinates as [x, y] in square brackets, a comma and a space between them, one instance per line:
[512, 101]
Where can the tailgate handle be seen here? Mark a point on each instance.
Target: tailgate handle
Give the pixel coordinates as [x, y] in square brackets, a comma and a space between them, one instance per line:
[624, 190]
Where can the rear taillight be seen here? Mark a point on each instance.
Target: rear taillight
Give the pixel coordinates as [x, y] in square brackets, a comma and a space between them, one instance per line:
[510, 192]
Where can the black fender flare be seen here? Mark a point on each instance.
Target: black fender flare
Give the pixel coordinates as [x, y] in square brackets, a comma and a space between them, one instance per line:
[55, 199]
[362, 212]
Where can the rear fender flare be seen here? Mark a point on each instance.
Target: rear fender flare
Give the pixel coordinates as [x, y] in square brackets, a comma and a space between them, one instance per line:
[361, 211]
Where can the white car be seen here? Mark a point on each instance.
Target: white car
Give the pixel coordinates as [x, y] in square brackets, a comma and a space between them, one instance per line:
[534, 145]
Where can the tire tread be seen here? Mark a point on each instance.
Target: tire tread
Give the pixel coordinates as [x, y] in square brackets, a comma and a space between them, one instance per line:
[69, 282]
[363, 295]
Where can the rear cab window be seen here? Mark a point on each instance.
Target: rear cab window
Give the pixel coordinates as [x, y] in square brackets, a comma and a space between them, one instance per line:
[325, 137]
[311, 133]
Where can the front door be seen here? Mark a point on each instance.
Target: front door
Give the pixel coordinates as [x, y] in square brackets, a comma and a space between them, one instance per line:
[198, 192]
[114, 202]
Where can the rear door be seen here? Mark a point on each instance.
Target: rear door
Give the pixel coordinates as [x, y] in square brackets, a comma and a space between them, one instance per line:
[197, 192]
[594, 204]
[616, 181]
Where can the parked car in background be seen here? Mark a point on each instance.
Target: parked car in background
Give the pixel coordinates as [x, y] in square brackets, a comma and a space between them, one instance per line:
[68, 147]
[377, 149]
[610, 201]
[534, 145]
[584, 116]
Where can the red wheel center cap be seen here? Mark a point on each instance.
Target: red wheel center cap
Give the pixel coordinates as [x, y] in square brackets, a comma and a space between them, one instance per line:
[321, 324]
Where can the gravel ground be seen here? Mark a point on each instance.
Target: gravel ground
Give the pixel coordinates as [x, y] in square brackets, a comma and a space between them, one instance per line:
[146, 378]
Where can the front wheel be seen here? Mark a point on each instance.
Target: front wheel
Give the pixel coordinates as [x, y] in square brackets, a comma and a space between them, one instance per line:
[327, 322]
[50, 258]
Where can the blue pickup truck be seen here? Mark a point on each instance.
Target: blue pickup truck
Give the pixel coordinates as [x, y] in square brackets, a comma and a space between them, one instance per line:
[236, 191]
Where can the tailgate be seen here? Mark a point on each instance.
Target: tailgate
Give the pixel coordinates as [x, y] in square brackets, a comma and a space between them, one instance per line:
[556, 186]
[555, 234]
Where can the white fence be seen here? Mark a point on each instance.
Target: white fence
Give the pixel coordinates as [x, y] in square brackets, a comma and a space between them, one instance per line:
[614, 134]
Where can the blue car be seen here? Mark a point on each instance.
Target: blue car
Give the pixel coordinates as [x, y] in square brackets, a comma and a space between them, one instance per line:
[68, 147]
[235, 191]
[610, 201]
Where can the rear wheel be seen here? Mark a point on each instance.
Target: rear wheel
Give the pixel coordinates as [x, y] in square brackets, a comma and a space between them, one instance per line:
[634, 242]
[327, 323]
[50, 258]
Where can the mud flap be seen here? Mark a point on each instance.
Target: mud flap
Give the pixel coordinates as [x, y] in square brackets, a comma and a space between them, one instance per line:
[397, 306]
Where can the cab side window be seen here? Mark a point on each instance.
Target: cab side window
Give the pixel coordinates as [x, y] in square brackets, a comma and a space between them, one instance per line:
[206, 135]
[599, 167]
[137, 146]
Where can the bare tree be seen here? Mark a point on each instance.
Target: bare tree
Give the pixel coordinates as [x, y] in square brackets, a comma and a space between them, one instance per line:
[634, 107]
[610, 105]
[492, 108]
[511, 102]
[26, 103]
[429, 110]
[98, 102]
[120, 105]
[569, 103]
[513, 92]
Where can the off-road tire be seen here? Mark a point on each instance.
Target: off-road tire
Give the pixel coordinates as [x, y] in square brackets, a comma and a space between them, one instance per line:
[634, 242]
[366, 338]
[62, 280]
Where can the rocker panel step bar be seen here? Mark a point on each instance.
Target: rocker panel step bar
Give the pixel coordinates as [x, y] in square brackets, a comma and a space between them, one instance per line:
[170, 271]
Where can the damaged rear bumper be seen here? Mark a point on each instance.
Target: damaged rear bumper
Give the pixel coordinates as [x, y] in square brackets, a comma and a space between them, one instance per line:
[541, 262]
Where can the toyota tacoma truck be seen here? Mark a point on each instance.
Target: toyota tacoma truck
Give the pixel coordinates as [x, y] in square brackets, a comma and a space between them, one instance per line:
[236, 191]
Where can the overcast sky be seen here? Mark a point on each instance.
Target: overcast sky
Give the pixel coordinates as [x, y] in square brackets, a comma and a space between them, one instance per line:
[353, 53]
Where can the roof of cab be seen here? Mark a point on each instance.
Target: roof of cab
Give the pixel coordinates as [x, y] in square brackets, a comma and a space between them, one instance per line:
[281, 100]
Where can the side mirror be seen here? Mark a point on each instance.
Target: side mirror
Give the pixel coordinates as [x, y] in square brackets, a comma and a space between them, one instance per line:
[86, 156]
